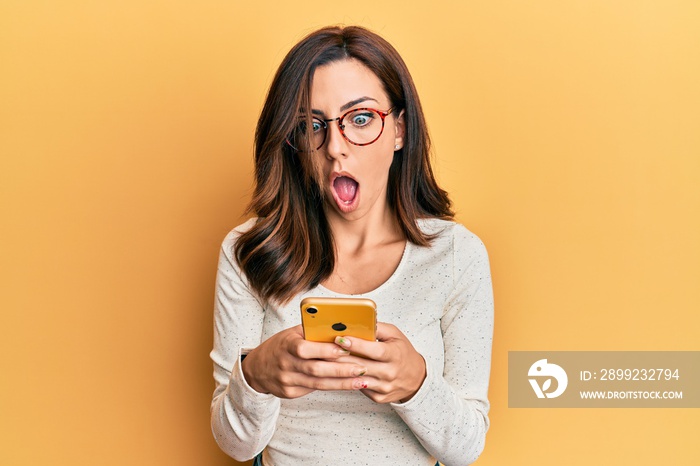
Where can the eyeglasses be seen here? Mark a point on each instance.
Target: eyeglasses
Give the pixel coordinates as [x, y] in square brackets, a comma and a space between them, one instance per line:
[359, 126]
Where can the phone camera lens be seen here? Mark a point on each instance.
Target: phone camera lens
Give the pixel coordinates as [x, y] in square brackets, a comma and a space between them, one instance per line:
[312, 310]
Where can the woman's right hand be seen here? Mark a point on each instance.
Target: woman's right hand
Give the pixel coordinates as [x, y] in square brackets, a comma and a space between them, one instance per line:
[287, 366]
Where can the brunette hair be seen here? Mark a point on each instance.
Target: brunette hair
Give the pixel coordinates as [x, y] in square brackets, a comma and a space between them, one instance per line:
[290, 248]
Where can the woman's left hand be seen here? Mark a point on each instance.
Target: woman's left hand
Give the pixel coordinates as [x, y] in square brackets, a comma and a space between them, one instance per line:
[395, 370]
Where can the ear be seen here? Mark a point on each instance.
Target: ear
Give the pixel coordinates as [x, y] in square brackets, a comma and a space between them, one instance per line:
[400, 131]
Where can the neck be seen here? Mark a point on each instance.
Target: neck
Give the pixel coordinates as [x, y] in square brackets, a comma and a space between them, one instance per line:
[377, 228]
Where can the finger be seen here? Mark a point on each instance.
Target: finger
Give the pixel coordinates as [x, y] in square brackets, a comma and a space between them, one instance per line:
[387, 332]
[329, 369]
[381, 392]
[304, 349]
[379, 397]
[332, 383]
[359, 360]
[370, 349]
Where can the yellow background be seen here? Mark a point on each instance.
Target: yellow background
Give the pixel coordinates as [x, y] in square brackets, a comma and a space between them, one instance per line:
[567, 132]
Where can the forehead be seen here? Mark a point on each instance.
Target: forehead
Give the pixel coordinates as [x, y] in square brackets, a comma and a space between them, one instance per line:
[339, 82]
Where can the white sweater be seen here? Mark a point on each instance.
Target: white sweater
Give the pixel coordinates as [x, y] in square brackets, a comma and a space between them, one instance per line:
[440, 297]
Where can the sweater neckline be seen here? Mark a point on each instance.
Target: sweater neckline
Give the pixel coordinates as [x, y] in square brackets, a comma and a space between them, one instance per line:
[387, 283]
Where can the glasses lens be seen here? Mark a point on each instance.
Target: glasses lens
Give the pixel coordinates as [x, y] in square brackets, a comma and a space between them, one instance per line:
[303, 137]
[362, 126]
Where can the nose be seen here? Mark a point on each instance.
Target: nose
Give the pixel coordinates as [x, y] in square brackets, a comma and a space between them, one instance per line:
[336, 145]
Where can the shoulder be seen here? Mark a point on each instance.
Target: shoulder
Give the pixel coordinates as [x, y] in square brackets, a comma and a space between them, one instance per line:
[232, 236]
[451, 233]
[227, 246]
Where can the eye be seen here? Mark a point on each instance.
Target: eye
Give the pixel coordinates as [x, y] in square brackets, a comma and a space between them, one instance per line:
[316, 126]
[361, 119]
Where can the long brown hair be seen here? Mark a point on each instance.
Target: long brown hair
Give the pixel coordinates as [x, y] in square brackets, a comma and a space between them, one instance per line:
[290, 248]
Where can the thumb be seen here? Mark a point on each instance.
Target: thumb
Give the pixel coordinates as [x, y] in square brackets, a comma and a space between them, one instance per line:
[387, 332]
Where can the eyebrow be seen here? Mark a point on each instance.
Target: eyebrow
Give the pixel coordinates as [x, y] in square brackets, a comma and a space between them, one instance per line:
[348, 105]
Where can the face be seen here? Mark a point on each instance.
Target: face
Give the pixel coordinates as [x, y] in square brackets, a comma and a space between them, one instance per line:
[355, 177]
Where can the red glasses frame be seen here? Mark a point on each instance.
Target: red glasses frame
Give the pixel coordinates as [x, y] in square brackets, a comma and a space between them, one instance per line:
[382, 114]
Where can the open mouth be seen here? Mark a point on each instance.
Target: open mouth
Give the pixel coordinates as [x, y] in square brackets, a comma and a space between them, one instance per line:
[345, 192]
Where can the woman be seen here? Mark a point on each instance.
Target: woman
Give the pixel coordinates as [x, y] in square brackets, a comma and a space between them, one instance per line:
[347, 205]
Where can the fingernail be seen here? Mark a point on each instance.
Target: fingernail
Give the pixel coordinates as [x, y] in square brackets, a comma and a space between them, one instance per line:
[360, 371]
[342, 342]
[343, 351]
[359, 384]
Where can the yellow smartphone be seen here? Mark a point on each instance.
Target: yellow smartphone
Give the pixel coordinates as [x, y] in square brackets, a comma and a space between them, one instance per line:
[323, 319]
